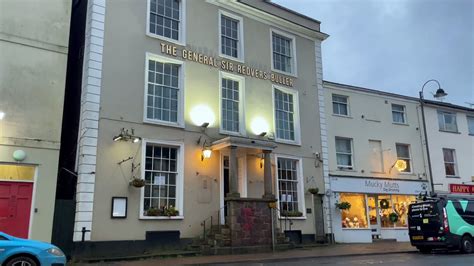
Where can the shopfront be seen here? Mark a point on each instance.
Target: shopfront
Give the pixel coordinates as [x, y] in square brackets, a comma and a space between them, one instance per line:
[378, 208]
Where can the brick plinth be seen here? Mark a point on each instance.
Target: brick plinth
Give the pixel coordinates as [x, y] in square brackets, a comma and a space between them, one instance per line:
[250, 221]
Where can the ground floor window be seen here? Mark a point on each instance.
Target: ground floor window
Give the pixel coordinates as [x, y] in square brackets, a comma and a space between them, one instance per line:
[162, 178]
[385, 211]
[356, 215]
[289, 186]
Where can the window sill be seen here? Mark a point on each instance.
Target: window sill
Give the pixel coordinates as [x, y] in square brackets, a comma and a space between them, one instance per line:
[447, 131]
[394, 228]
[162, 123]
[283, 72]
[471, 134]
[344, 116]
[410, 173]
[162, 38]
[292, 218]
[228, 57]
[346, 169]
[290, 142]
[231, 133]
[400, 124]
[161, 217]
[453, 176]
[362, 229]
[376, 172]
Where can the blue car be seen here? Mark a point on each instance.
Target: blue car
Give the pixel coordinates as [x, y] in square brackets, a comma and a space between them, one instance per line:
[16, 251]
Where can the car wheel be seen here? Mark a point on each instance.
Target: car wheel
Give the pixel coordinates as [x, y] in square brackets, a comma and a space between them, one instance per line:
[22, 261]
[424, 250]
[466, 244]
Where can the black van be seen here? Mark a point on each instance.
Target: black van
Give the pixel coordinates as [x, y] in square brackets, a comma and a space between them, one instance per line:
[442, 223]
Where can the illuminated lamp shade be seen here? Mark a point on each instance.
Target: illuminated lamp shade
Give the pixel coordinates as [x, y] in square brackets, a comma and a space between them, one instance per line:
[206, 153]
[2, 115]
[19, 155]
[401, 165]
[259, 126]
[202, 114]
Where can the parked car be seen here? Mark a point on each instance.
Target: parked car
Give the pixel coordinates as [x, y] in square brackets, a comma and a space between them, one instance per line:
[445, 223]
[16, 251]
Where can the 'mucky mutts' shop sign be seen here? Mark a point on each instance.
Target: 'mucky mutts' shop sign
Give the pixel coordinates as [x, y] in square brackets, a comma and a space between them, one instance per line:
[377, 186]
[226, 65]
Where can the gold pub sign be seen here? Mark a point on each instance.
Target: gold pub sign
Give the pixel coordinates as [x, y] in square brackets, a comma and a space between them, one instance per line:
[226, 65]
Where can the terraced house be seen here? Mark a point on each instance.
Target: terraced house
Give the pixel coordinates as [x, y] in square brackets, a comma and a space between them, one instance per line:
[199, 113]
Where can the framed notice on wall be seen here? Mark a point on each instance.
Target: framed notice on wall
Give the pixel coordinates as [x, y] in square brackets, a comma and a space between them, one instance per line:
[119, 207]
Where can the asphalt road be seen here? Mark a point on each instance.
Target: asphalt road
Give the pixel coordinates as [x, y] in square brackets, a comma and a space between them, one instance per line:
[441, 259]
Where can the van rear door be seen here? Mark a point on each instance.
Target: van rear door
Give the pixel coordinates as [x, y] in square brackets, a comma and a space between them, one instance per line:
[425, 220]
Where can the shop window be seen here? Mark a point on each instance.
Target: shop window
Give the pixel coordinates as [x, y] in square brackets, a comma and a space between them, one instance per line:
[385, 209]
[400, 207]
[356, 216]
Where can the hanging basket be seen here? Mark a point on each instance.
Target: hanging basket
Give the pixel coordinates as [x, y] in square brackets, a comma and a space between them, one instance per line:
[137, 182]
[343, 205]
[313, 191]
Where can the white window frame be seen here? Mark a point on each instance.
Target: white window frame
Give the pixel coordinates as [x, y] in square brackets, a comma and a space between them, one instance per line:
[296, 113]
[402, 158]
[456, 173]
[301, 194]
[443, 113]
[347, 104]
[294, 72]
[241, 80]
[345, 167]
[469, 117]
[179, 179]
[405, 122]
[240, 44]
[181, 29]
[181, 79]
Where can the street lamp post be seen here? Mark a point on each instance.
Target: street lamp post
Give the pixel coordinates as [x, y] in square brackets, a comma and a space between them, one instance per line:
[439, 93]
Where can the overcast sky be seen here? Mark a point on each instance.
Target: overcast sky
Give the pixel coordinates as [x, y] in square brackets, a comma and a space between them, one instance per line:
[397, 45]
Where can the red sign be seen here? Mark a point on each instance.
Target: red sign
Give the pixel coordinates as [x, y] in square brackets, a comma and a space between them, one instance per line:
[461, 189]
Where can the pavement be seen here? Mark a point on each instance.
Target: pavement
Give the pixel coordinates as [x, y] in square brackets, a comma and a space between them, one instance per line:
[337, 250]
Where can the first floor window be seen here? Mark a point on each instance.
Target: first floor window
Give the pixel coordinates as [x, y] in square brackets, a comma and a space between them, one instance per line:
[403, 153]
[356, 215]
[230, 105]
[161, 178]
[163, 91]
[344, 153]
[284, 115]
[230, 36]
[282, 53]
[470, 124]
[449, 162]
[288, 183]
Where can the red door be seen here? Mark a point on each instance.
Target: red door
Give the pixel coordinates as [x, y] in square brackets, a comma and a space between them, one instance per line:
[15, 207]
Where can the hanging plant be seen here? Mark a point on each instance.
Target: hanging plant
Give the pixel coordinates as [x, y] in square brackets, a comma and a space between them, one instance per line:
[313, 191]
[384, 204]
[344, 205]
[393, 217]
[138, 182]
[291, 214]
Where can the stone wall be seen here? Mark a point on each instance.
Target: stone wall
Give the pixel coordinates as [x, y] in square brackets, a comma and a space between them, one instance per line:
[250, 221]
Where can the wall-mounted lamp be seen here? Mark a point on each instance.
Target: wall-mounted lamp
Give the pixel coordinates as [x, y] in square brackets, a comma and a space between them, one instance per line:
[262, 134]
[126, 136]
[205, 125]
[206, 153]
[262, 161]
[400, 165]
